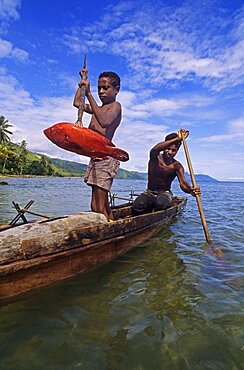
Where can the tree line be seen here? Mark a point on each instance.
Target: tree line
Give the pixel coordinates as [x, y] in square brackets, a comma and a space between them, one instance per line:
[14, 158]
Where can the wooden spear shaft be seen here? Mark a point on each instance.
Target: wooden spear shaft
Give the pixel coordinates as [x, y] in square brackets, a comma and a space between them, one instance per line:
[199, 204]
[82, 95]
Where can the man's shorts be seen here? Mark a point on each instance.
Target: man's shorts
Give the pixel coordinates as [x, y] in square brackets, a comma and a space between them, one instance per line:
[100, 172]
[151, 200]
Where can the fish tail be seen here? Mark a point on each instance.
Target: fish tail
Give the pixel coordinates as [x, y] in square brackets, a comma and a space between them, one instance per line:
[120, 154]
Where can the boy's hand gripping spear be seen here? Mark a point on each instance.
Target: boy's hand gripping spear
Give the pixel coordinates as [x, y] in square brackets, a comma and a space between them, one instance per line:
[83, 75]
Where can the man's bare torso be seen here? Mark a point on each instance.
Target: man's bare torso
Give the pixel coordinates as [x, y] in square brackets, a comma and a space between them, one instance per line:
[160, 174]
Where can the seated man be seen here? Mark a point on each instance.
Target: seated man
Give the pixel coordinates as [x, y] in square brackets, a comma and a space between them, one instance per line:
[162, 170]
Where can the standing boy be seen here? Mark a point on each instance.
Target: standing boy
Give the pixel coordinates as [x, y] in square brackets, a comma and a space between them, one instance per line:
[105, 120]
[162, 170]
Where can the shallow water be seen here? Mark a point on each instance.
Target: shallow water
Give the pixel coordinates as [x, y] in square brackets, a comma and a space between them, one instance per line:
[168, 304]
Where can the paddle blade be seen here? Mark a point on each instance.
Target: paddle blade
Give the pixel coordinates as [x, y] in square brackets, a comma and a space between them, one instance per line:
[214, 251]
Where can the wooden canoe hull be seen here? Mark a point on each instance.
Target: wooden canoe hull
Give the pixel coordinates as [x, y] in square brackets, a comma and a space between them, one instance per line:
[115, 239]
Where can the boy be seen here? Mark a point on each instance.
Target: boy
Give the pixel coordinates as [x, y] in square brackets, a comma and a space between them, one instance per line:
[162, 169]
[105, 120]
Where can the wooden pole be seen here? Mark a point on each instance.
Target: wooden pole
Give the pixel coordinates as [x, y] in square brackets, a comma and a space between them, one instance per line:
[199, 204]
[82, 95]
[34, 213]
[20, 213]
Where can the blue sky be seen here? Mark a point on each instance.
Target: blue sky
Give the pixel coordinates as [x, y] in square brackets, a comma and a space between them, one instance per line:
[180, 62]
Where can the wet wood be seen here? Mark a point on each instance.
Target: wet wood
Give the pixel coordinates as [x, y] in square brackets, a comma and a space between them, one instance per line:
[31, 258]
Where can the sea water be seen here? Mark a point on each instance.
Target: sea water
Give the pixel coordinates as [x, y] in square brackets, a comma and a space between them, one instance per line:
[167, 305]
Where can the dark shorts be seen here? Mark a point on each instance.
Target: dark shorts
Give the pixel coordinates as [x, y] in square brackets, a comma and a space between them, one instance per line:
[152, 200]
[101, 172]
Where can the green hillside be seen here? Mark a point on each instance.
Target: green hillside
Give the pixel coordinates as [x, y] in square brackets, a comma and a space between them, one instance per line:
[68, 167]
[200, 178]
[79, 169]
[123, 174]
[21, 161]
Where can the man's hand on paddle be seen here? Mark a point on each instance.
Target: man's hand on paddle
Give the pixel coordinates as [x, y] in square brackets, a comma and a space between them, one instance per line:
[195, 191]
[183, 132]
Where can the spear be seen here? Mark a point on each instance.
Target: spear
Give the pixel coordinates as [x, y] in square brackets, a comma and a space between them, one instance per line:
[82, 95]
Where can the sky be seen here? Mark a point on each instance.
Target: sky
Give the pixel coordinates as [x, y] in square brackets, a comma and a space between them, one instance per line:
[180, 63]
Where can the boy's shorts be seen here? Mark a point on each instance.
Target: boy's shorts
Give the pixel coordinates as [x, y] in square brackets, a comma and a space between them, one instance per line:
[100, 172]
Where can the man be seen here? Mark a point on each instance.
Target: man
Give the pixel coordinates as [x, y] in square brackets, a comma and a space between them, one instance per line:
[162, 170]
[105, 120]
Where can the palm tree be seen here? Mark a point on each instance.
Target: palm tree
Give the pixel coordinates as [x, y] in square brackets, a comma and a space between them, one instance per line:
[23, 155]
[4, 132]
[5, 152]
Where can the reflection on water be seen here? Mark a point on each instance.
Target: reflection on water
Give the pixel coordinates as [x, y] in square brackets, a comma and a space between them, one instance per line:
[164, 305]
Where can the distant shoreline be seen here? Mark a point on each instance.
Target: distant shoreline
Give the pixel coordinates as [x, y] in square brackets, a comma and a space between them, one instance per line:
[35, 176]
[81, 177]
[22, 176]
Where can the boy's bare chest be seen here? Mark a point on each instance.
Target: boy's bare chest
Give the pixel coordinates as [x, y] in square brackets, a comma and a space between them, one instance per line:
[107, 131]
[103, 109]
[94, 125]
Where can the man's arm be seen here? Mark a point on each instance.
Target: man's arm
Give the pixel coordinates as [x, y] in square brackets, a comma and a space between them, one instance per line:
[154, 152]
[184, 184]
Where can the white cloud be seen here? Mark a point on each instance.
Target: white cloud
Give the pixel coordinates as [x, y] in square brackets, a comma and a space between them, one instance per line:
[170, 52]
[29, 117]
[233, 134]
[159, 46]
[137, 133]
[9, 9]
[137, 138]
[237, 126]
[7, 50]
[144, 108]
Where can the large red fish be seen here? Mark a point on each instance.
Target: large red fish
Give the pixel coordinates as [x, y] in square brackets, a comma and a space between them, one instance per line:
[82, 140]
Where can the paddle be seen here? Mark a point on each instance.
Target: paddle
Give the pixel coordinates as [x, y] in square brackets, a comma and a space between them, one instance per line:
[216, 251]
[82, 95]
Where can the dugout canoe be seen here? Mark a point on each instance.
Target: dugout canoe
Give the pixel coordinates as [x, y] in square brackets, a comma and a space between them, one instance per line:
[37, 254]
